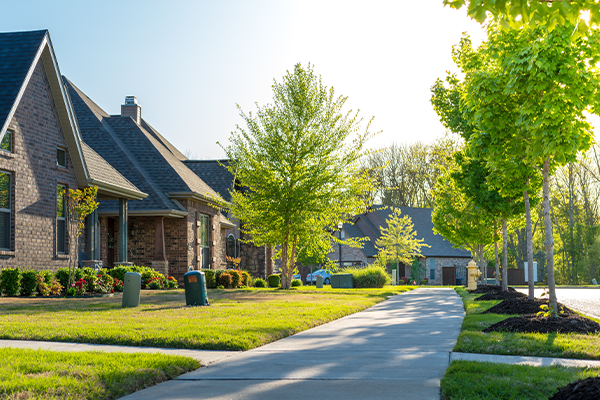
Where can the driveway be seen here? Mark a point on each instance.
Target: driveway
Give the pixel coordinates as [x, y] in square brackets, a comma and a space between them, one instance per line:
[584, 300]
[398, 349]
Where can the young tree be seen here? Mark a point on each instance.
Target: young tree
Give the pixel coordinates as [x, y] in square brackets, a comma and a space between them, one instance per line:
[398, 242]
[298, 160]
[79, 204]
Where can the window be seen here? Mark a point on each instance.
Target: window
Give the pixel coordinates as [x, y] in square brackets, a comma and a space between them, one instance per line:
[6, 143]
[61, 220]
[5, 217]
[61, 157]
[230, 249]
[203, 222]
[431, 268]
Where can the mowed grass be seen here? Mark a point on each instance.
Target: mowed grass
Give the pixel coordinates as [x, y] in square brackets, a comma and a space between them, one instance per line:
[42, 374]
[472, 340]
[235, 320]
[478, 380]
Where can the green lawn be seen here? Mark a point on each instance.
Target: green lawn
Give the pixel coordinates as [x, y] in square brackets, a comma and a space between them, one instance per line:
[235, 320]
[477, 380]
[48, 375]
[472, 340]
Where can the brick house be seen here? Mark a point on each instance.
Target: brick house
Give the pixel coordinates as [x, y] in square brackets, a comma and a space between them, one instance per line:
[444, 263]
[41, 155]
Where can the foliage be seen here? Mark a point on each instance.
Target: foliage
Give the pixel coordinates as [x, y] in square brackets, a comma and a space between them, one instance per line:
[367, 277]
[296, 282]
[245, 278]
[398, 242]
[28, 282]
[62, 275]
[171, 283]
[235, 261]
[56, 288]
[417, 270]
[298, 160]
[117, 285]
[155, 283]
[209, 275]
[53, 375]
[119, 272]
[260, 283]
[235, 277]
[43, 288]
[274, 280]
[79, 204]
[80, 287]
[10, 281]
[225, 279]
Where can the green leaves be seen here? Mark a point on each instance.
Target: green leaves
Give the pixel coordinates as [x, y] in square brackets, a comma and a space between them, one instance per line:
[398, 242]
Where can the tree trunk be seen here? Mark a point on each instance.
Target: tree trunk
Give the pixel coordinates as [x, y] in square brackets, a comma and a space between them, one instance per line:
[497, 262]
[549, 242]
[284, 259]
[504, 258]
[530, 282]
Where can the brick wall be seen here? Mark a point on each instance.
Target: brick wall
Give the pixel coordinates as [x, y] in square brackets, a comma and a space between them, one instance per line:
[440, 262]
[36, 135]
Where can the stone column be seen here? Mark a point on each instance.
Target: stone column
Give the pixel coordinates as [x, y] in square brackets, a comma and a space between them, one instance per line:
[160, 263]
[123, 230]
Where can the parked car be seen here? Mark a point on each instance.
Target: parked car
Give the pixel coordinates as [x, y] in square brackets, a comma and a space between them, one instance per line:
[312, 278]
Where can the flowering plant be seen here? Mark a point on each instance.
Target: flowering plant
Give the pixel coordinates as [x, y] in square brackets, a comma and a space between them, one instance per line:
[117, 285]
[79, 287]
[170, 283]
[154, 283]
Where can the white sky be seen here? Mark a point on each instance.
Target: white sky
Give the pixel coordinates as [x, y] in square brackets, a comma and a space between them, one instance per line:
[189, 62]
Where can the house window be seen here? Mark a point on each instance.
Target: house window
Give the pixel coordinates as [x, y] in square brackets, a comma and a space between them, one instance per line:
[230, 250]
[6, 143]
[432, 268]
[61, 220]
[5, 217]
[61, 157]
[203, 221]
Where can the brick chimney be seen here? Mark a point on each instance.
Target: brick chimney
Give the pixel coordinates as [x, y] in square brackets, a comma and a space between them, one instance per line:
[132, 109]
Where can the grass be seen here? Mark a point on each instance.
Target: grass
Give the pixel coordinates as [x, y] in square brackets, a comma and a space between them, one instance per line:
[472, 340]
[479, 380]
[235, 320]
[43, 374]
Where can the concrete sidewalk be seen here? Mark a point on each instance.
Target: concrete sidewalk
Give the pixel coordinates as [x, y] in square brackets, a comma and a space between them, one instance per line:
[397, 349]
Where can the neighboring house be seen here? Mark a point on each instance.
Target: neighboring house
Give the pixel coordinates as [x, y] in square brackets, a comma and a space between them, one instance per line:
[42, 154]
[443, 262]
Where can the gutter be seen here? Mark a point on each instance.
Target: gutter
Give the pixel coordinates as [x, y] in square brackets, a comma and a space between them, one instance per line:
[118, 190]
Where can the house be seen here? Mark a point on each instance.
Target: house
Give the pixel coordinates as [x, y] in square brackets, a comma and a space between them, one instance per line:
[444, 263]
[42, 154]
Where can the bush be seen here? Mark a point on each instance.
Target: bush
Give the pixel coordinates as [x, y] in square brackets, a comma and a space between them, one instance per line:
[10, 281]
[274, 280]
[55, 288]
[235, 277]
[62, 276]
[404, 279]
[155, 283]
[225, 280]
[170, 283]
[149, 273]
[296, 282]
[28, 282]
[209, 275]
[220, 287]
[259, 282]
[424, 281]
[368, 277]
[119, 272]
[117, 285]
[48, 275]
[43, 288]
[245, 278]
[89, 275]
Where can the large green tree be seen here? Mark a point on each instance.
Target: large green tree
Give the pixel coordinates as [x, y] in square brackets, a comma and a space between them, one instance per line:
[398, 242]
[299, 162]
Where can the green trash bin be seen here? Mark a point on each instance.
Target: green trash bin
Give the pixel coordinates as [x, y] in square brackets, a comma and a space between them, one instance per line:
[132, 283]
[342, 281]
[319, 281]
[195, 289]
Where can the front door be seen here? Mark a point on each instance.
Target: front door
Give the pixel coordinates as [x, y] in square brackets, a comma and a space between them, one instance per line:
[449, 276]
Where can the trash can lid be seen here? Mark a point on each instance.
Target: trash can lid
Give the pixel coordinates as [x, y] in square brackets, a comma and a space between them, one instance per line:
[132, 273]
[193, 273]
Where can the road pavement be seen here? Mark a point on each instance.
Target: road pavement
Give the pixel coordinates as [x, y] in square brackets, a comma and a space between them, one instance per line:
[584, 300]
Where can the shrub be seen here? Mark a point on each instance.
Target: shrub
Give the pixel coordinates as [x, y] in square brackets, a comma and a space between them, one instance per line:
[117, 285]
[225, 279]
[371, 276]
[296, 282]
[170, 283]
[424, 281]
[55, 288]
[274, 280]
[80, 287]
[43, 288]
[220, 287]
[245, 278]
[149, 273]
[28, 282]
[259, 282]
[209, 275]
[62, 276]
[10, 281]
[404, 279]
[235, 277]
[155, 283]
[119, 272]
[89, 275]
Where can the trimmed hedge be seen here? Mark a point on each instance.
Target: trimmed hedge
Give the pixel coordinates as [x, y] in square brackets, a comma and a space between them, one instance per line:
[260, 283]
[28, 282]
[209, 275]
[368, 277]
[274, 280]
[10, 281]
[296, 282]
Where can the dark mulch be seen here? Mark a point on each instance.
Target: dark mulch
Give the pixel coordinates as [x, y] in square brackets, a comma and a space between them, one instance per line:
[523, 306]
[565, 323]
[490, 288]
[587, 389]
[501, 295]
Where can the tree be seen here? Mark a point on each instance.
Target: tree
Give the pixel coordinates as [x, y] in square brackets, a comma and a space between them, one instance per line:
[533, 13]
[298, 160]
[398, 242]
[79, 204]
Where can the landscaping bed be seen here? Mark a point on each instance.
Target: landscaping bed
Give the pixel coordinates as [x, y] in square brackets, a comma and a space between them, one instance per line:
[523, 306]
[54, 375]
[564, 323]
[586, 389]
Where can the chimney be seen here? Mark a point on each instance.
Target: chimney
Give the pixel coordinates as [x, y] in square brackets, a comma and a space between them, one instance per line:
[132, 109]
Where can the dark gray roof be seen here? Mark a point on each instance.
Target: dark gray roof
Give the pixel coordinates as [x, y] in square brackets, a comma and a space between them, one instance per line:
[377, 218]
[100, 170]
[215, 174]
[141, 156]
[17, 52]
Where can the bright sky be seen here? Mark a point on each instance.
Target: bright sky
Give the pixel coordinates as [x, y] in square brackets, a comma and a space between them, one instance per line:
[190, 62]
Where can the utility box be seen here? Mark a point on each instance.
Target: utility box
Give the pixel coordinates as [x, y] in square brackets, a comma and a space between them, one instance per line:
[342, 281]
[319, 281]
[132, 283]
[394, 276]
[195, 289]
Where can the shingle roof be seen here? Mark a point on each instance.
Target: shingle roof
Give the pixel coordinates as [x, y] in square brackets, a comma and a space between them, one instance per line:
[17, 52]
[141, 156]
[423, 225]
[100, 170]
[215, 174]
